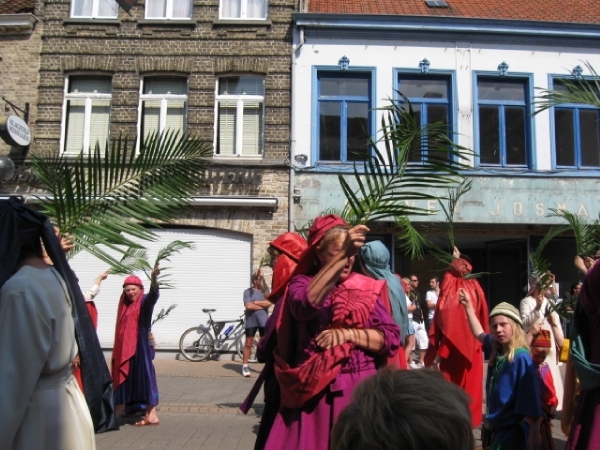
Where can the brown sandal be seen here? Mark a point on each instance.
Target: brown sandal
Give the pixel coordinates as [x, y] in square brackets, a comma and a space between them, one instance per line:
[145, 422]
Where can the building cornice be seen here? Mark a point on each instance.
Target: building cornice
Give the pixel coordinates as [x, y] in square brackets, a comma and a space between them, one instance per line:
[17, 23]
[418, 27]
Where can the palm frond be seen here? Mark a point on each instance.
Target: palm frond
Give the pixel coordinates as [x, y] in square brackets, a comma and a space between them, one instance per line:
[454, 196]
[539, 267]
[414, 163]
[109, 197]
[163, 313]
[587, 235]
[584, 90]
[134, 260]
[411, 241]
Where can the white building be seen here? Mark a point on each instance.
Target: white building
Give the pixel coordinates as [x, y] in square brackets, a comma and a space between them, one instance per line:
[478, 68]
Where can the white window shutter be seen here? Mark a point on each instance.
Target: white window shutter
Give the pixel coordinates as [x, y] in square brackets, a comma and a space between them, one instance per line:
[227, 125]
[252, 134]
[75, 126]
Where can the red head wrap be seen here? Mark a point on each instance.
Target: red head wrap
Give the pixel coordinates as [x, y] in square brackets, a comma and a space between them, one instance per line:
[291, 246]
[132, 279]
[542, 339]
[317, 230]
[126, 332]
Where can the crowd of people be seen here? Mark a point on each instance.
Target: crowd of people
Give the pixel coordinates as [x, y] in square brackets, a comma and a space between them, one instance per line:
[339, 371]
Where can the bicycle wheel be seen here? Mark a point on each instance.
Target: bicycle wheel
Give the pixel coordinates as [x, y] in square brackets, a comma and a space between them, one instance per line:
[240, 342]
[196, 344]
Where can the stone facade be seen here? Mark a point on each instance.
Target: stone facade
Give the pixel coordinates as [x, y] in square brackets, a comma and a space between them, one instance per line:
[129, 47]
[20, 45]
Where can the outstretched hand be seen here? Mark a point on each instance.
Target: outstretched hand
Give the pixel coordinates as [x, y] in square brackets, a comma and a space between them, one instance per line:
[464, 298]
[455, 253]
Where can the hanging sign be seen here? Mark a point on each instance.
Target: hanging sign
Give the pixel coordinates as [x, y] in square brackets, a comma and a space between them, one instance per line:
[15, 131]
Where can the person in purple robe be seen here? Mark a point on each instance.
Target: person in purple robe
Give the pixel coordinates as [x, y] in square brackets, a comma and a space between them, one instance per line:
[585, 357]
[333, 332]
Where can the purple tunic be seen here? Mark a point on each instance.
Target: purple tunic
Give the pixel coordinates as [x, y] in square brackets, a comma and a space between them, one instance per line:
[585, 430]
[310, 427]
[140, 386]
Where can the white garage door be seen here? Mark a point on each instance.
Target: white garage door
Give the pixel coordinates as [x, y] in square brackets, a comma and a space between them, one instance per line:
[214, 275]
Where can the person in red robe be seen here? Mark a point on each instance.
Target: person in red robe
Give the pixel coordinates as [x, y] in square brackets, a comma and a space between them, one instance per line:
[452, 347]
[91, 307]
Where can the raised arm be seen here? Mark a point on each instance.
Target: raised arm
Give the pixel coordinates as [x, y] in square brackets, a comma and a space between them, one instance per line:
[531, 315]
[476, 328]
[327, 277]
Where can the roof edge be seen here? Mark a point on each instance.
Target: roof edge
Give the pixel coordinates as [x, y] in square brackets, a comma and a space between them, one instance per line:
[445, 25]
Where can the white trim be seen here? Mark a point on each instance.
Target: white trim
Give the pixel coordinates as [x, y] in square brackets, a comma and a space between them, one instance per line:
[95, 7]
[17, 23]
[169, 12]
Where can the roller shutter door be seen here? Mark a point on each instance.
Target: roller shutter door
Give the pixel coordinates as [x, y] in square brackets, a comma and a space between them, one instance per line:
[214, 275]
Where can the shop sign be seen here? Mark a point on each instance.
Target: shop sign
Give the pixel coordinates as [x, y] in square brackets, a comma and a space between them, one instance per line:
[15, 131]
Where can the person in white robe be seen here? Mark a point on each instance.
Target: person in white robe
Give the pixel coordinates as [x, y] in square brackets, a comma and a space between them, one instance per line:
[41, 405]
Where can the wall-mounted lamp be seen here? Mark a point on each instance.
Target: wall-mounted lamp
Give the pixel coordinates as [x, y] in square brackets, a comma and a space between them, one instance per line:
[297, 194]
[7, 168]
[301, 159]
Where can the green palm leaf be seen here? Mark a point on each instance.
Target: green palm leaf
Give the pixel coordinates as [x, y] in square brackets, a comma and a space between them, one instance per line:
[389, 180]
[415, 162]
[108, 199]
[587, 235]
[584, 90]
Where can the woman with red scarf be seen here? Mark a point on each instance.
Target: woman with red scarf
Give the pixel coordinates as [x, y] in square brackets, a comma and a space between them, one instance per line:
[333, 332]
[134, 378]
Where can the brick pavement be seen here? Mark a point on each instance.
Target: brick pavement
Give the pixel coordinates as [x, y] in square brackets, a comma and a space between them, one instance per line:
[199, 409]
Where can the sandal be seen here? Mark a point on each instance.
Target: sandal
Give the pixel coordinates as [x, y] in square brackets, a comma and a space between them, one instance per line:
[145, 422]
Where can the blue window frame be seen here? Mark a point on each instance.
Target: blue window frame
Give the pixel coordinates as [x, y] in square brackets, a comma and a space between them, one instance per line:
[344, 103]
[576, 133]
[430, 96]
[503, 121]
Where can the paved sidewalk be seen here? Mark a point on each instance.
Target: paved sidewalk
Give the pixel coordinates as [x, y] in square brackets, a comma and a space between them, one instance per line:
[199, 409]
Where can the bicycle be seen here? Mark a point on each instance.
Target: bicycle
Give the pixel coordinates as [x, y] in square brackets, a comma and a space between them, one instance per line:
[197, 343]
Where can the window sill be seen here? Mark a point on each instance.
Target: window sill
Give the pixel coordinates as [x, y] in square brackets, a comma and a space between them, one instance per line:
[168, 22]
[243, 22]
[90, 21]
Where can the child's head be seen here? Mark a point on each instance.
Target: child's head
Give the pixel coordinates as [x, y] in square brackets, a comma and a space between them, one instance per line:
[507, 328]
[540, 347]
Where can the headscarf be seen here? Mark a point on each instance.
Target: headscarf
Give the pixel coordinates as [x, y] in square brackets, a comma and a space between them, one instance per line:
[291, 246]
[542, 339]
[317, 230]
[20, 224]
[126, 332]
[376, 259]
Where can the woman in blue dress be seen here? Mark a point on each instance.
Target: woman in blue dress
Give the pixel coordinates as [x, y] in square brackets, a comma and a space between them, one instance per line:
[134, 377]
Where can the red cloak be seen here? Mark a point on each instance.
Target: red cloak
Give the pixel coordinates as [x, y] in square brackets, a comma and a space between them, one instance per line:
[451, 339]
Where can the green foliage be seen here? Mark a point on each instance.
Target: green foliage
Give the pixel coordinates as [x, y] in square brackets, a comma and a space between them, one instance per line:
[587, 235]
[136, 260]
[107, 199]
[163, 313]
[415, 161]
[585, 91]
[411, 242]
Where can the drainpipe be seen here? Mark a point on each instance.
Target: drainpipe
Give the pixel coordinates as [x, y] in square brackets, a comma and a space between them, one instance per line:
[295, 49]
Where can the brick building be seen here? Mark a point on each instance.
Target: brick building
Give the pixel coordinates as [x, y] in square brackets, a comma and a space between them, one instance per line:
[217, 69]
[20, 44]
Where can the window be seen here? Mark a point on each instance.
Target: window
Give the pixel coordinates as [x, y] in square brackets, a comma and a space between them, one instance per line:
[344, 103]
[243, 9]
[87, 107]
[430, 99]
[576, 133]
[502, 107]
[168, 9]
[240, 116]
[164, 102]
[94, 9]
